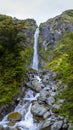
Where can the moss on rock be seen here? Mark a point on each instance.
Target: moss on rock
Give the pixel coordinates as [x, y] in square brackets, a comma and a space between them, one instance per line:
[62, 63]
[10, 124]
[15, 116]
[56, 54]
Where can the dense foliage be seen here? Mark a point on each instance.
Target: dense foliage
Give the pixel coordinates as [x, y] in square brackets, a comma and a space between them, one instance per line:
[62, 63]
[14, 57]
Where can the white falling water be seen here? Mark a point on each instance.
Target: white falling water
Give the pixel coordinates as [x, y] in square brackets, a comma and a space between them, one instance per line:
[35, 55]
[27, 122]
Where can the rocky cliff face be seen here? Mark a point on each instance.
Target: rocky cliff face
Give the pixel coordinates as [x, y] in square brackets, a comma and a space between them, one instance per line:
[56, 54]
[30, 30]
[52, 31]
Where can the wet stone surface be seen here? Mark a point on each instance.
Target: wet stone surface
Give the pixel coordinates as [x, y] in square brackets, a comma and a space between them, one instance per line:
[38, 107]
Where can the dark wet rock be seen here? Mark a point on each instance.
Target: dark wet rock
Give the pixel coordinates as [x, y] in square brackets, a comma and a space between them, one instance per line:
[6, 128]
[65, 126]
[17, 128]
[1, 127]
[70, 126]
[7, 108]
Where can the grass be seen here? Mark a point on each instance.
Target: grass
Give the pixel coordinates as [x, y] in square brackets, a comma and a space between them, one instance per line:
[62, 63]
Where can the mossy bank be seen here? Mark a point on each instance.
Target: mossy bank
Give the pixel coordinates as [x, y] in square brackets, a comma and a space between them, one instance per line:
[56, 54]
[16, 49]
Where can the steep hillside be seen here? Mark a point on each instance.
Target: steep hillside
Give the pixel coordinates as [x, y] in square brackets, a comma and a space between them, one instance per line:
[56, 54]
[16, 40]
[51, 32]
[62, 63]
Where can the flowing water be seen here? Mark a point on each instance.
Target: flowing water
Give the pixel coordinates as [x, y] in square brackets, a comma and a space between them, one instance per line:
[24, 108]
[35, 55]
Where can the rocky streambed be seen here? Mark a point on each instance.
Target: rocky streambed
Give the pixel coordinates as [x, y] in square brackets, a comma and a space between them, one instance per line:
[38, 108]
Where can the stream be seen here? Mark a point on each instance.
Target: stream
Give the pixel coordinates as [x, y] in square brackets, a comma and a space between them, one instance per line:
[24, 108]
[39, 101]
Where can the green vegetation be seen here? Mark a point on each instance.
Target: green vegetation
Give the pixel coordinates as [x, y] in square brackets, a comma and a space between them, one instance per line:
[14, 57]
[68, 15]
[58, 56]
[61, 24]
[15, 116]
[62, 63]
[10, 123]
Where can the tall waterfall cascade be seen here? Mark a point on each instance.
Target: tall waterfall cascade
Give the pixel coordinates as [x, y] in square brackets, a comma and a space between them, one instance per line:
[35, 55]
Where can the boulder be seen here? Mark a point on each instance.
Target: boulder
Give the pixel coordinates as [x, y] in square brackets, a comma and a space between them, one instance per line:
[54, 87]
[14, 116]
[46, 115]
[43, 95]
[53, 94]
[50, 100]
[46, 78]
[65, 126]
[56, 106]
[36, 85]
[57, 125]
[46, 125]
[47, 88]
[38, 110]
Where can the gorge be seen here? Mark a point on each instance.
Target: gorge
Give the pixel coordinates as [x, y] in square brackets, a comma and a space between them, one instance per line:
[36, 99]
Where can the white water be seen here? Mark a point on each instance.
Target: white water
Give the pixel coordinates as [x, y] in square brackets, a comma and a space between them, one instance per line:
[24, 109]
[37, 77]
[32, 98]
[35, 55]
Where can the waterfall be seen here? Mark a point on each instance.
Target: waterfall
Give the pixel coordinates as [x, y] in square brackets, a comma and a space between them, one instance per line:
[35, 55]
